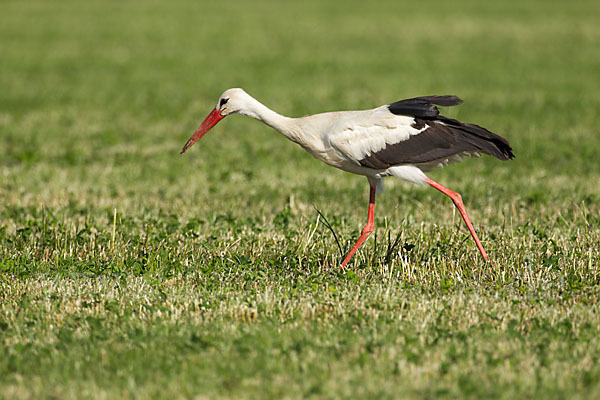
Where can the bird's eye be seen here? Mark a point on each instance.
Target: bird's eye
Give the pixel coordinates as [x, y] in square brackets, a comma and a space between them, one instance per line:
[223, 101]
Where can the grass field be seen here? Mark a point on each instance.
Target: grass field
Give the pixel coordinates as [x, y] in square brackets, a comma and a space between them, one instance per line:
[127, 270]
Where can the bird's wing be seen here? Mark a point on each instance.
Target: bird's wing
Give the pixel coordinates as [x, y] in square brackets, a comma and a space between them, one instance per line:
[389, 135]
[361, 135]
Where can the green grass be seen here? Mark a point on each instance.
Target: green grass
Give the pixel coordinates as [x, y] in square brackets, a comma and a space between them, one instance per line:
[127, 270]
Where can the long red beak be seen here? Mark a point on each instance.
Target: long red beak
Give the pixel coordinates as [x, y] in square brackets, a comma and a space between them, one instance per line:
[208, 123]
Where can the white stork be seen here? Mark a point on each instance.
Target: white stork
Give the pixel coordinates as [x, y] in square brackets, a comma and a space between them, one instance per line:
[403, 139]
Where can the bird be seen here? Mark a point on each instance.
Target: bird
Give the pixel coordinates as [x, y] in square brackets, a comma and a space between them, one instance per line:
[404, 139]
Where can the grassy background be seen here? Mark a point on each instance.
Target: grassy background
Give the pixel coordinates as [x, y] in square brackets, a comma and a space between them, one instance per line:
[127, 270]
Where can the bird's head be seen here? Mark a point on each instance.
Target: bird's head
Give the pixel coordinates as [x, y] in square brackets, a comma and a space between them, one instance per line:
[232, 101]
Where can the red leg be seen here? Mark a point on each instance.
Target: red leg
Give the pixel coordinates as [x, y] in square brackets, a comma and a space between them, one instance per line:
[457, 200]
[367, 229]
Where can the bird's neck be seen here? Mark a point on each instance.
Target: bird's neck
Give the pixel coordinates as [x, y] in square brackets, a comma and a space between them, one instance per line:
[259, 111]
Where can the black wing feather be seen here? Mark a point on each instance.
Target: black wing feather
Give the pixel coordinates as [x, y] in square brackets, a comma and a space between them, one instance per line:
[442, 138]
[423, 107]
